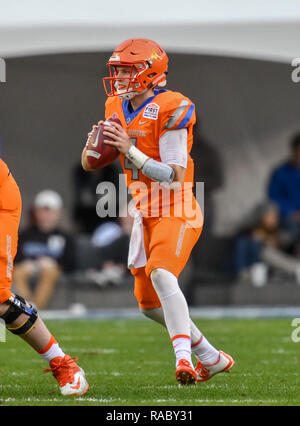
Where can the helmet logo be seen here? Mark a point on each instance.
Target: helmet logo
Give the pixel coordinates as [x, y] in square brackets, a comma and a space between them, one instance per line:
[154, 55]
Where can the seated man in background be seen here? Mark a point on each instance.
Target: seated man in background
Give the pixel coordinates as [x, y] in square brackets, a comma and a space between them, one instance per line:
[112, 241]
[259, 247]
[85, 196]
[284, 190]
[44, 251]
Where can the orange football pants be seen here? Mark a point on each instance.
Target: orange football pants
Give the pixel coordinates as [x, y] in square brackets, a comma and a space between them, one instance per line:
[10, 213]
[168, 245]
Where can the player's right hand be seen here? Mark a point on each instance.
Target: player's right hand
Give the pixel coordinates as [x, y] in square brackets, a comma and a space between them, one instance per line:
[93, 128]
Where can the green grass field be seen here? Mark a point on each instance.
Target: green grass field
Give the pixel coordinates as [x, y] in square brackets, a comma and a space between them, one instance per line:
[131, 362]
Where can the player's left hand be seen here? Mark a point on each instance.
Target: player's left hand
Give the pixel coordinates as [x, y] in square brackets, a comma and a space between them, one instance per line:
[120, 139]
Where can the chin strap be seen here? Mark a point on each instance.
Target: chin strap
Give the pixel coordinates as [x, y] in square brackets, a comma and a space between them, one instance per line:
[129, 95]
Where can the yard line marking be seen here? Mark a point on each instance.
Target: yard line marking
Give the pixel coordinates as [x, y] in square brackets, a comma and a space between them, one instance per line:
[201, 312]
[62, 400]
[102, 351]
[221, 400]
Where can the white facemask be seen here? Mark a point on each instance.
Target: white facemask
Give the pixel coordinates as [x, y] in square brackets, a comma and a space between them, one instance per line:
[126, 96]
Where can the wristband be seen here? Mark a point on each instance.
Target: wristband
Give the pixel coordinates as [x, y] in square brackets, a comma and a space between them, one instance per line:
[137, 157]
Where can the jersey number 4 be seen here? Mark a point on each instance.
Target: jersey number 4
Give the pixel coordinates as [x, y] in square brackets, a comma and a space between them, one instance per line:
[128, 165]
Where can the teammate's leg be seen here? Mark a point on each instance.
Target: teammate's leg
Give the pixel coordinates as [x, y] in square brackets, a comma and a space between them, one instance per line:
[20, 317]
[38, 336]
[22, 320]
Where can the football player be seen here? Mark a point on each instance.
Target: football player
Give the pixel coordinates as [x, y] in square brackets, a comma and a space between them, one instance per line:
[154, 142]
[20, 317]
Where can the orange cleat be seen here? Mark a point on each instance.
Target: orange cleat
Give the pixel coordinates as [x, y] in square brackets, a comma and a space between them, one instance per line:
[70, 377]
[185, 373]
[207, 371]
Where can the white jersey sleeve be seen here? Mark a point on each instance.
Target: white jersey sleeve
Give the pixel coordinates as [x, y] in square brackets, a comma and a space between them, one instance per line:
[173, 147]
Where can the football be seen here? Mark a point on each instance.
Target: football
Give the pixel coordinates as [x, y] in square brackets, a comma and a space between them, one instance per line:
[98, 153]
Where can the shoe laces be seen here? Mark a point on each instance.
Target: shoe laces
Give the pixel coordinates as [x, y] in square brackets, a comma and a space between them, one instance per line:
[62, 371]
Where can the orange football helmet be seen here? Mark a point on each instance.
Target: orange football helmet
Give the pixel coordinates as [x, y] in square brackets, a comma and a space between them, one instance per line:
[148, 64]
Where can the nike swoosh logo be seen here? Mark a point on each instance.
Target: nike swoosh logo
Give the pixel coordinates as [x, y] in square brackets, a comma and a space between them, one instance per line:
[76, 386]
[96, 141]
[142, 122]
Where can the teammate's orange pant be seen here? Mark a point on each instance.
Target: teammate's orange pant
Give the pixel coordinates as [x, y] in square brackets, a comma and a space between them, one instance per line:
[168, 245]
[10, 213]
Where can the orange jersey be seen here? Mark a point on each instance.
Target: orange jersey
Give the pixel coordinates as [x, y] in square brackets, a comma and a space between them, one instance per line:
[165, 111]
[4, 172]
[10, 213]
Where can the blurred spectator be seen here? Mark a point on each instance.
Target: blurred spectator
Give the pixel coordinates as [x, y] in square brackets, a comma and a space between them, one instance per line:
[112, 241]
[259, 247]
[284, 190]
[210, 171]
[85, 196]
[44, 251]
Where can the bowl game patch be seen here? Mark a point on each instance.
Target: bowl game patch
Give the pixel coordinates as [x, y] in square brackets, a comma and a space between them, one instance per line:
[151, 111]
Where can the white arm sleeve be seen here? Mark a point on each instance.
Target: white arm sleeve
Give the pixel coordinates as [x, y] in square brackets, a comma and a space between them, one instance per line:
[173, 147]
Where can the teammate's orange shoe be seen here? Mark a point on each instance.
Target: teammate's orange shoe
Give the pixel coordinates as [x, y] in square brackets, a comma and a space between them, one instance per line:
[70, 377]
[185, 373]
[207, 371]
